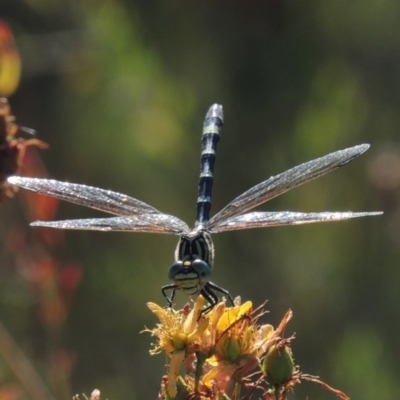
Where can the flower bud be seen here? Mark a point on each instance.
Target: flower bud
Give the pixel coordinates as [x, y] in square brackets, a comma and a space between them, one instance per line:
[278, 365]
[229, 349]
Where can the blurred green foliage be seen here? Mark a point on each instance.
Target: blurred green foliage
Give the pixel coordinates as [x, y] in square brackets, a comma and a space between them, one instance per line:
[119, 89]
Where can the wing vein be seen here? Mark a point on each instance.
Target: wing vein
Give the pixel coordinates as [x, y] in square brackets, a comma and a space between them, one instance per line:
[279, 184]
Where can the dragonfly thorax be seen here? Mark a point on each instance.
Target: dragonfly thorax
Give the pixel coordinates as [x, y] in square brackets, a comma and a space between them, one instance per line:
[195, 246]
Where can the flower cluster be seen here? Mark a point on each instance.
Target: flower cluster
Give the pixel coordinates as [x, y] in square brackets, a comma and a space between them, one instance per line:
[224, 352]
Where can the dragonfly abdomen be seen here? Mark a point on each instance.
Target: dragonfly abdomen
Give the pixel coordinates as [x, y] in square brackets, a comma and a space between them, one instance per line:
[211, 133]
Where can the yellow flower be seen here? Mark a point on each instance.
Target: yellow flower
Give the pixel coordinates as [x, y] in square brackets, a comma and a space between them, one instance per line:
[177, 333]
[235, 346]
[240, 344]
[219, 348]
[221, 352]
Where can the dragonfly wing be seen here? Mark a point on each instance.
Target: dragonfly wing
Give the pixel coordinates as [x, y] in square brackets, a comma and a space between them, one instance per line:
[267, 219]
[279, 184]
[99, 199]
[152, 223]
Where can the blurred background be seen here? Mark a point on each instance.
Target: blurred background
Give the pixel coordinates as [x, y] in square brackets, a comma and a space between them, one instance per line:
[119, 90]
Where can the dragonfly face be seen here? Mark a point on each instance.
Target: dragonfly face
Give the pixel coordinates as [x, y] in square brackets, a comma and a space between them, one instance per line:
[194, 255]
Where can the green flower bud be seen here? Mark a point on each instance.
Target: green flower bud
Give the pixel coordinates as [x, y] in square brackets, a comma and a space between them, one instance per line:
[178, 345]
[229, 349]
[278, 366]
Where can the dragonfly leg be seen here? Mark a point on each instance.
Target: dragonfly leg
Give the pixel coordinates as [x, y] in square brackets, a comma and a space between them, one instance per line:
[210, 296]
[169, 299]
[209, 293]
[211, 287]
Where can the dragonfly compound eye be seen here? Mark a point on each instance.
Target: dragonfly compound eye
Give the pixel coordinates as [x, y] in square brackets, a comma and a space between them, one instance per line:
[203, 269]
[174, 269]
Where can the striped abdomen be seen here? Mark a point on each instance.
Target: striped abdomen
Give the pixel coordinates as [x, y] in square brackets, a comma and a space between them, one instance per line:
[211, 133]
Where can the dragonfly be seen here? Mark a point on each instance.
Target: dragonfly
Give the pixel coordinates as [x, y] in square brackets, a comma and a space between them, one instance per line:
[194, 254]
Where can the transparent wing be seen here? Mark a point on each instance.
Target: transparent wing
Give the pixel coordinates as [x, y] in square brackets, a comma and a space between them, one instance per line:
[138, 216]
[279, 184]
[151, 223]
[99, 199]
[266, 219]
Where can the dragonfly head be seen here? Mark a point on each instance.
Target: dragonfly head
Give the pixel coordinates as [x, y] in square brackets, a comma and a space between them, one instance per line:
[194, 256]
[190, 276]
